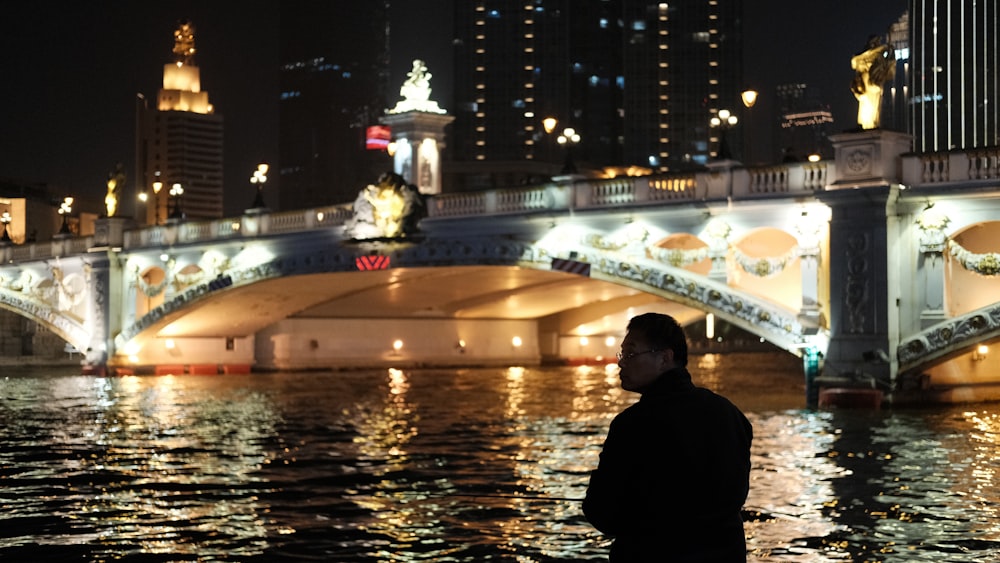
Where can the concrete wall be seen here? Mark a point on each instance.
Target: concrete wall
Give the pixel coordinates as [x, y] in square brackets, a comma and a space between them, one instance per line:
[330, 343]
[201, 351]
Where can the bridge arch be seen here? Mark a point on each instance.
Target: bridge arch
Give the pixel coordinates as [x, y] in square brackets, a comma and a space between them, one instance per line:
[767, 265]
[638, 271]
[973, 268]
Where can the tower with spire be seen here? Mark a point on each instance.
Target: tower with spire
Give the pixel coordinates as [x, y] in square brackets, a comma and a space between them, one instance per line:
[179, 143]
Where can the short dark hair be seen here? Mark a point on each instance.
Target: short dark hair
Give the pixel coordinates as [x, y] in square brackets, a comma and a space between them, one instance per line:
[661, 332]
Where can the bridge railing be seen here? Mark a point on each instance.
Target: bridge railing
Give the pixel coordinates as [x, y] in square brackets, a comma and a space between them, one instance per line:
[719, 183]
[941, 168]
[248, 225]
[727, 180]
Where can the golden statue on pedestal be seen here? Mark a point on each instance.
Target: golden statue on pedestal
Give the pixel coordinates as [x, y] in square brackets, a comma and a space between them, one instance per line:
[875, 66]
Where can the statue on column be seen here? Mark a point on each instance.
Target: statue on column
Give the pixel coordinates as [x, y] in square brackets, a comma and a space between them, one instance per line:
[416, 91]
[874, 66]
[116, 180]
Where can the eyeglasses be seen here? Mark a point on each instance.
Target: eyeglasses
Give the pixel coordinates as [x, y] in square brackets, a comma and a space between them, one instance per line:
[623, 358]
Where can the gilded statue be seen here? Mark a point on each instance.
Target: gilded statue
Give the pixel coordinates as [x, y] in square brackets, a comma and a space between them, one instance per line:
[116, 180]
[184, 42]
[874, 66]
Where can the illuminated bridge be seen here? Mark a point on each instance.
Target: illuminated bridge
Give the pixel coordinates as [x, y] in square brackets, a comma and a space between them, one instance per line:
[877, 255]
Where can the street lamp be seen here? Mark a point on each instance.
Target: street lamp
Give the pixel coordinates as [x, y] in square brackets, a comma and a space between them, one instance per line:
[176, 191]
[65, 209]
[258, 179]
[723, 122]
[6, 219]
[549, 124]
[749, 98]
[569, 139]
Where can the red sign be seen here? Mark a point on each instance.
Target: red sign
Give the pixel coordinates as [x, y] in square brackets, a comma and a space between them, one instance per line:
[366, 263]
[377, 138]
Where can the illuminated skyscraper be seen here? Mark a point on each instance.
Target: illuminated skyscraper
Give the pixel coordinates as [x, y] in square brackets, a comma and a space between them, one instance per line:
[179, 143]
[639, 81]
[954, 84]
[683, 63]
[518, 63]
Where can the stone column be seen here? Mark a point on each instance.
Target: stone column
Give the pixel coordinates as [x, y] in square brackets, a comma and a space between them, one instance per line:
[419, 138]
[933, 242]
[101, 309]
[718, 249]
[808, 231]
[864, 274]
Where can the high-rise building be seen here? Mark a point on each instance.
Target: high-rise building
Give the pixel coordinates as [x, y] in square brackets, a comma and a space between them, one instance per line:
[683, 64]
[334, 79]
[179, 143]
[955, 89]
[638, 81]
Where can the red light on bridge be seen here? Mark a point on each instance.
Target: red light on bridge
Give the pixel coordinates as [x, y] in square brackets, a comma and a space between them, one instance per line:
[365, 263]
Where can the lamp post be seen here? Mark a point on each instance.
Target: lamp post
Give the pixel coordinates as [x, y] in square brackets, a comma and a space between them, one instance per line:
[65, 209]
[257, 180]
[749, 98]
[176, 191]
[723, 122]
[6, 219]
[569, 139]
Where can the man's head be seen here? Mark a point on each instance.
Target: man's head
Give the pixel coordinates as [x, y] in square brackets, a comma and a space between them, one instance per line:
[655, 343]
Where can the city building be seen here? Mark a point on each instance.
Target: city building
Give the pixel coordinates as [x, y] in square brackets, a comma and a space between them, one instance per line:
[636, 82]
[683, 64]
[334, 79]
[953, 85]
[179, 143]
[805, 123]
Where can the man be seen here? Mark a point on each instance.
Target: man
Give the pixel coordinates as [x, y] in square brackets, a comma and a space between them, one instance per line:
[675, 469]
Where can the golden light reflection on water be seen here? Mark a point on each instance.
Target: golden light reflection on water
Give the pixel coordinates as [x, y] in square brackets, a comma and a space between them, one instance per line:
[385, 429]
[142, 439]
[462, 465]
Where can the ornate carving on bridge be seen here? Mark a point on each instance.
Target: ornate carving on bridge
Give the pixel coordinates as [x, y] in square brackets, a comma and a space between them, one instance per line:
[932, 224]
[856, 285]
[946, 336]
[765, 267]
[388, 209]
[678, 257]
[28, 304]
[983, 264]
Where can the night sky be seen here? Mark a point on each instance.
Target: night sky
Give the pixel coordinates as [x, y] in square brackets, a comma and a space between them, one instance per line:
[71, 72]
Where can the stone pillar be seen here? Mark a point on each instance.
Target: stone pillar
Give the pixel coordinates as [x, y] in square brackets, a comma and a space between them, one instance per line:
[864, 271]
[110, 231]
[933, 242]
[419, 139]
[809, 229]
[861, 309]
[102, 309]
[718, 249]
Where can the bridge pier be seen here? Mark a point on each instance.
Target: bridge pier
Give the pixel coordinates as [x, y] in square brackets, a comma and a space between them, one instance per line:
[864, 259]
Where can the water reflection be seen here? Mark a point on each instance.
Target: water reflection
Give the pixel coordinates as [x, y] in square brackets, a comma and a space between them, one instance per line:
[132, 467]
[456, 465]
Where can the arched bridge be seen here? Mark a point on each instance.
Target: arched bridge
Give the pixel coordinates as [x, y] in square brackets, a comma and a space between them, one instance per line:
[812, 257]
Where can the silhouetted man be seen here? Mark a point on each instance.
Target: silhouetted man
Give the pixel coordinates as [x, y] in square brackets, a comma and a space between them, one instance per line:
[675, 469]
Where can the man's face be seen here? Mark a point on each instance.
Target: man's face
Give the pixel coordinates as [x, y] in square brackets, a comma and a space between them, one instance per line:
[640, 363]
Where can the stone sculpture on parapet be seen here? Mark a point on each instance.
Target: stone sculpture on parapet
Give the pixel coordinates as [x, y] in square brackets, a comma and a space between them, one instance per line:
[389, 209]
[416, 91]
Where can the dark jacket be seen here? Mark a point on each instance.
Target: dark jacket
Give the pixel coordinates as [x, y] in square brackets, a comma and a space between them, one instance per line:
[673, 476]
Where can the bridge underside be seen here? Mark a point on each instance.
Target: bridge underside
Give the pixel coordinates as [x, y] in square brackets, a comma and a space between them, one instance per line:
[573, 305]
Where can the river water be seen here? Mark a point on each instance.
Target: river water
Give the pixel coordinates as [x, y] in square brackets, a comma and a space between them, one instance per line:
[455, 465]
